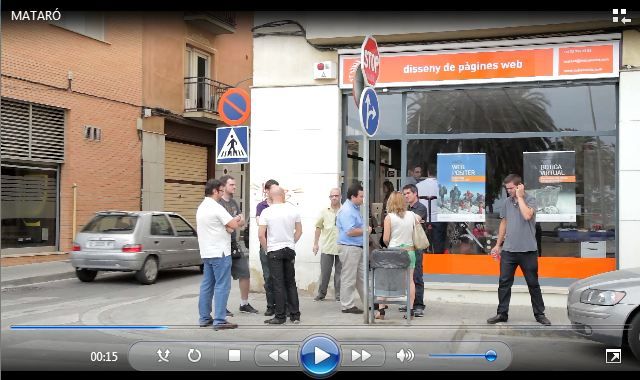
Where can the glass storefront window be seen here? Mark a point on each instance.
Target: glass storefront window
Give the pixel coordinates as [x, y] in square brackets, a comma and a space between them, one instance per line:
[28, 207]
[595, 191]
[588, 107]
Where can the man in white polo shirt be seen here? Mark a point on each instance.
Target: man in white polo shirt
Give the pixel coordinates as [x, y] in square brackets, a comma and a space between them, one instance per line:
[277, 237]
[215, 226]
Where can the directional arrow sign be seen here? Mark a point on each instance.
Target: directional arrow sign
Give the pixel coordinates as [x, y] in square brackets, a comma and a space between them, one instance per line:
[320, 355]
[369, 111]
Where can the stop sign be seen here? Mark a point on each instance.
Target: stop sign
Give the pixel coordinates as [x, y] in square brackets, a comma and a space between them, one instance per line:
[370, 58]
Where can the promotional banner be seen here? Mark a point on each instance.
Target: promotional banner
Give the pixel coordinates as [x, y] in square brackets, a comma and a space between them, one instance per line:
[461, 182]
[550, 177]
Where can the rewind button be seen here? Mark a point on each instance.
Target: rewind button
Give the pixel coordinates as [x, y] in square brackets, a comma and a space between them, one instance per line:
[281, 355]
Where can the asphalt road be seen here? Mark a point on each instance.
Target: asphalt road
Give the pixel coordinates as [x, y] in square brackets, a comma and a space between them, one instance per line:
[117, 299]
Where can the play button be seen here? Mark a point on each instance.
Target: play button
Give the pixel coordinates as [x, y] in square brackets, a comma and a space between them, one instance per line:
[320, 356]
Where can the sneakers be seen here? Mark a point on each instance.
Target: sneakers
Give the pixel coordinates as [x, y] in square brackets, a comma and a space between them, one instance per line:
[542, 319]
[353, 310]
[275, 321]
[225, 326]
[318, 298]
[248, 309]
[295, 320]
[497, 318]
[270, 312]
[206, 324]
[229, 314]
[418, 312]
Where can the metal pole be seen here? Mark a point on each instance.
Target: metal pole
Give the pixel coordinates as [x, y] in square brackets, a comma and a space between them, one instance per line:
[75, 208]
[365, 229]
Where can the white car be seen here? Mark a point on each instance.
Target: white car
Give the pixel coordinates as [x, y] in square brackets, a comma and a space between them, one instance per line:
[606, 308]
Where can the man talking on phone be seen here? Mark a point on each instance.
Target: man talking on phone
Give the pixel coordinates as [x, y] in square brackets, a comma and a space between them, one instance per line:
[518, 232]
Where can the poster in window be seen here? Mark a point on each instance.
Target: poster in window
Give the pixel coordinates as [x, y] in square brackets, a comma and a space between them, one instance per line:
[550, 177]
[461, 187]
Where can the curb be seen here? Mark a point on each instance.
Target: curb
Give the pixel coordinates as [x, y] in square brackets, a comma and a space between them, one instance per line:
[38, 279]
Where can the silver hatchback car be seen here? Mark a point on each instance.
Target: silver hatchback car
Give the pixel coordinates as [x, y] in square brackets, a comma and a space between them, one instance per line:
[606, 308]
[134, 241]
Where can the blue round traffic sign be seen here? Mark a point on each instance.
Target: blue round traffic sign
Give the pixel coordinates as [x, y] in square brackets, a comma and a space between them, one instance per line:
[369, 111]
[320, 356]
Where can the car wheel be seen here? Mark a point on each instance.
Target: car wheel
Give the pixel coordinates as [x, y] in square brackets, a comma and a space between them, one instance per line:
[633, 336]
[149, 272]
[201, 266]
[86, 275]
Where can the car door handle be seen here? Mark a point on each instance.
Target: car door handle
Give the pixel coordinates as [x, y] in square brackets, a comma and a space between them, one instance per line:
[156, 242]
[181, 241]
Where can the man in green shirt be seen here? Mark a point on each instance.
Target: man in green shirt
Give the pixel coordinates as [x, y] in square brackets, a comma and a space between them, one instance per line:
[327, 232]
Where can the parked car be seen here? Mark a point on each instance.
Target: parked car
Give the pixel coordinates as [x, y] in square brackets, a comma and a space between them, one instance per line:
[606, 308]
[134, 241]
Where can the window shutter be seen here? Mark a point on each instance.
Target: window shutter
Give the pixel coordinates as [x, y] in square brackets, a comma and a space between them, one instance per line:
[31, 131]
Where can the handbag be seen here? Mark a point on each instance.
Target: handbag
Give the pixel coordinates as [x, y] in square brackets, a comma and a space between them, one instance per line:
[420, 240]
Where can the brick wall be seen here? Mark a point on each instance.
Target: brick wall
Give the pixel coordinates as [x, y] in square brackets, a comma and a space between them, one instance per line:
[109, 74]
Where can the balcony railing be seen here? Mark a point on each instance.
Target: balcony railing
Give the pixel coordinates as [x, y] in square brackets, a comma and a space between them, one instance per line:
[203, 94]
[226, 17]
[214, 22]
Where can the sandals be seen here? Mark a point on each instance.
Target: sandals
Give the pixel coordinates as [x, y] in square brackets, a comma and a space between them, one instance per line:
[405, 315]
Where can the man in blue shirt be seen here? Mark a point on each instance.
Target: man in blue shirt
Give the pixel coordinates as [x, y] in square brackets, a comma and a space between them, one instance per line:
[350, 248]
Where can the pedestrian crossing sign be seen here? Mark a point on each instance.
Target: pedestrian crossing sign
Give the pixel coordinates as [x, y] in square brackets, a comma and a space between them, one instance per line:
[232, 145]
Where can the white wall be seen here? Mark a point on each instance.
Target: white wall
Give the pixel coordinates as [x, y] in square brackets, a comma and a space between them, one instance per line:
[295, 139]
[288, 61]
[629, 163]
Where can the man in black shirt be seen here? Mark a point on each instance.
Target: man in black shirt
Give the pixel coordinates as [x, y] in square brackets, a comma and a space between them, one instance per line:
[410, 193]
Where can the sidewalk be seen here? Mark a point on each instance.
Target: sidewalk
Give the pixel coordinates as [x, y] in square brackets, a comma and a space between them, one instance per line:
[26, 273]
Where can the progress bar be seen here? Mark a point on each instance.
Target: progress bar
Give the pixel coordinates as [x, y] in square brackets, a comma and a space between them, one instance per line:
[87, 327]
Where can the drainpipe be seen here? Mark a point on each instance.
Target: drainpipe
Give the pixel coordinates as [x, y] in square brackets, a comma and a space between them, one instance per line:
[75, 208]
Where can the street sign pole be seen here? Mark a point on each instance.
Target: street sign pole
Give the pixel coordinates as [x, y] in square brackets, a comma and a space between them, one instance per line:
[365, 231]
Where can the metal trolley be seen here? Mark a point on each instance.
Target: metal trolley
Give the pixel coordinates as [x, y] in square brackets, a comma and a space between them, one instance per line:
[389, 277]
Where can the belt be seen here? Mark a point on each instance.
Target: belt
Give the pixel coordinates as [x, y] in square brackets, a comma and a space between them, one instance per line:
[349, 245]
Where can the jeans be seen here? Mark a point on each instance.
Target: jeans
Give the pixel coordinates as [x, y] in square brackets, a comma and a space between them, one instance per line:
[283, 274]
[216, 282]
[528, 262]
[327, 262]
[418, 279]
[268, 283]
[437, 237]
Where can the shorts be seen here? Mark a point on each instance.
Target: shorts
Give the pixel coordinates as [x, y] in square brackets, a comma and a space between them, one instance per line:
[240, 268]
[412, 257]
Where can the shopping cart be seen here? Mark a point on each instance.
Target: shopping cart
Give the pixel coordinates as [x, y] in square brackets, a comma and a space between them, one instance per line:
[390, 277]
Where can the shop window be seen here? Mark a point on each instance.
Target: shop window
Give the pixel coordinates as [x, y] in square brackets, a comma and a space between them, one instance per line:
[517, 109]
[593, 232]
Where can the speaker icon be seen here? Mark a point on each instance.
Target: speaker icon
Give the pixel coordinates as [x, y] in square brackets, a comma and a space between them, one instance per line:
[407, 355]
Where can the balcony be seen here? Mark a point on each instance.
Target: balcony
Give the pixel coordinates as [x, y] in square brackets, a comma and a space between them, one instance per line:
[202, 96]
[214, 22]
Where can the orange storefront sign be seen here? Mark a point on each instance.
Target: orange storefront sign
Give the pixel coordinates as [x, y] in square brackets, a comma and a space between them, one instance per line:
[557, 179]
[586, 60]
[553, 267]
[548, 62]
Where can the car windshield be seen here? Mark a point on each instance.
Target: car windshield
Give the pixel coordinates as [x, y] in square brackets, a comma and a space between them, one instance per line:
[112, 224]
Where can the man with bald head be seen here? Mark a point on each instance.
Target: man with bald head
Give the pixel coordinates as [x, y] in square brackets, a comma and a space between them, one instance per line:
[280, 229]
[327, 232]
